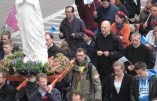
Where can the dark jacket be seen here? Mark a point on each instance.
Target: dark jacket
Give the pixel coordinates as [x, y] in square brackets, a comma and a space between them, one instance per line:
[113, 44]
[53, 50]
[106, 14]
[90, 49]
[7, 93]
[54, 96]
[124, 93]
[122, 8]
[152, 88]
[132, 8]
[77, 26]
[1, 46]
[150, 23]
[1, 55]
[141, 53]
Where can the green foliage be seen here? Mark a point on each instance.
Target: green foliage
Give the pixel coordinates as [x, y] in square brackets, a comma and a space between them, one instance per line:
[29, 67]
[16, 55]
[55, 65]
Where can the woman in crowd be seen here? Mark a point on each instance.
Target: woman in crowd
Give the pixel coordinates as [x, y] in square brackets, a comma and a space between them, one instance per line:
[121, 28]
[118, 87]
[152, 42]
[89, 45]
[65, 48]
[144, 15]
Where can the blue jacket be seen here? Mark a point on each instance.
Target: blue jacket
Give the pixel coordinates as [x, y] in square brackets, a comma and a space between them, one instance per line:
[106, 14]
[152, 80]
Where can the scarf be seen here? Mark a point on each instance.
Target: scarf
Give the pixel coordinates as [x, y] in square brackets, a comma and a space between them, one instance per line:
[119, 26]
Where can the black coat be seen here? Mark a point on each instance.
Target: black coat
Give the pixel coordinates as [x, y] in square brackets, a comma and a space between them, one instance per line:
[91, 52]
[132, 8]
[124, 93]
[53, 50]
[122, 8]
[7, 93]
[141, 53]
[112, 44]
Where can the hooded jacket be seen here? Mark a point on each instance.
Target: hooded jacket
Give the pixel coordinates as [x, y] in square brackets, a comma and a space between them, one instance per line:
[152, 84]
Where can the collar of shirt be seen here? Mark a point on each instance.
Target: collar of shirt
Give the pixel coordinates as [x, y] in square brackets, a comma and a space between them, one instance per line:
[135, 1]
[107, 34]
[41, 91]
[50, 46]
[88, 43]
[136, 46]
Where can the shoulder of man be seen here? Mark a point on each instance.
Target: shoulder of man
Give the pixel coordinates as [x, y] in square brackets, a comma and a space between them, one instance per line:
[63, 21]
[93, 71]
[135, 79]
[113, 6]
[78, 19]
[154, 77]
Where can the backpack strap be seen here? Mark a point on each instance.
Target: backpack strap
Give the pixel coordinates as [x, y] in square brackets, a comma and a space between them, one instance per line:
[89, 72]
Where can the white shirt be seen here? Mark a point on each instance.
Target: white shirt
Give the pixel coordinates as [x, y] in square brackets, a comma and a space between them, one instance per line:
[135, 2]
[117, 86]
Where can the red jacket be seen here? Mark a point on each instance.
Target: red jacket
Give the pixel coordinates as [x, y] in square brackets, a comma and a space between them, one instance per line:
[123, 34]
[86, 13]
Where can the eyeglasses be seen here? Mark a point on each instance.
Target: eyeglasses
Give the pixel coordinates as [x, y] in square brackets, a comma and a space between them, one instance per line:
[1, 77]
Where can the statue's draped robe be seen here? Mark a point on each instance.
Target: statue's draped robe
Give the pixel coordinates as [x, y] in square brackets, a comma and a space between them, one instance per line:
[31, 27]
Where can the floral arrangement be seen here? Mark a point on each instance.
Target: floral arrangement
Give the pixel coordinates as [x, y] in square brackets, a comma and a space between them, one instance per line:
[56, 65]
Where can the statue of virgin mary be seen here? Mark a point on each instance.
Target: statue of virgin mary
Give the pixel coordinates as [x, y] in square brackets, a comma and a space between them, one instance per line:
[31, 28]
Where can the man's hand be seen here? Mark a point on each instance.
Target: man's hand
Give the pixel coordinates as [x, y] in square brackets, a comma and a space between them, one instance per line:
[145, 25]
[99, 53]
[132, 19]
[60, 34]
[130, 68]
[106, 53]
[49, 88]
[73, 35]
[72, 61]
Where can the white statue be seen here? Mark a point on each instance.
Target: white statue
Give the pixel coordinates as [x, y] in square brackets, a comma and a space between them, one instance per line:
[31, 27]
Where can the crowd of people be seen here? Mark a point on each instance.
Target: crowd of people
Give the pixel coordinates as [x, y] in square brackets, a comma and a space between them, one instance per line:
[96, 43]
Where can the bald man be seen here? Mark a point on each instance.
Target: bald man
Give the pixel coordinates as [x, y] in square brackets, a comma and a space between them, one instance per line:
[109, 49]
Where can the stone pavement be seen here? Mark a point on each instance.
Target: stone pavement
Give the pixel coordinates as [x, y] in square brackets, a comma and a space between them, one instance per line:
[48, 7]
